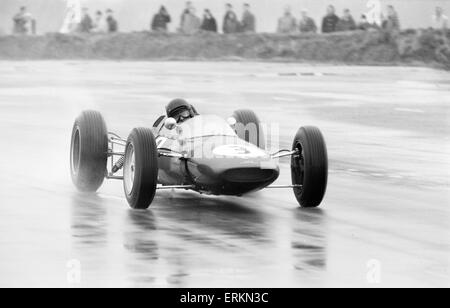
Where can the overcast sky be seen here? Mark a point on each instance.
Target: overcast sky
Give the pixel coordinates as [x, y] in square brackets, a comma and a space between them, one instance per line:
[135, 15]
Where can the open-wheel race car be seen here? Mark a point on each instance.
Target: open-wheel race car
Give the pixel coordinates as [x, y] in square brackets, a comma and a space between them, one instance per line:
[202, 153]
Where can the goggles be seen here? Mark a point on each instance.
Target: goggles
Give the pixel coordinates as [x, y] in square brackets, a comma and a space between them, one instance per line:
[185, 114]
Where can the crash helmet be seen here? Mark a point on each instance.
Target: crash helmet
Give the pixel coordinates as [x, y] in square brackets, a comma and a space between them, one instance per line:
[177, 107]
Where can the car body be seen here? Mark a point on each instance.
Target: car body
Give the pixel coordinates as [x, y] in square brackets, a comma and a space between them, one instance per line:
[220, 163]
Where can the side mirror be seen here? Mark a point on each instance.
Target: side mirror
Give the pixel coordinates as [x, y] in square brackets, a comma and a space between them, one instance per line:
[170, 123]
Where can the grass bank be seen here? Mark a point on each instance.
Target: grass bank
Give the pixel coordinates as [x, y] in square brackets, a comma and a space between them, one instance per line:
[411, 47]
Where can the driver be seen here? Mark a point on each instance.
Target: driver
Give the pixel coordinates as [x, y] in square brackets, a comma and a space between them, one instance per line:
[180, 110]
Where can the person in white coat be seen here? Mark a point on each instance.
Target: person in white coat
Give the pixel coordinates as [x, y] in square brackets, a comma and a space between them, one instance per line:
[374, 15]
[72, 17]
[100, 23]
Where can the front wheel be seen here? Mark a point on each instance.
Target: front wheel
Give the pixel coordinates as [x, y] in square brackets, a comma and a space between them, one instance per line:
[309, 167]
[89, 151]
[140, 170]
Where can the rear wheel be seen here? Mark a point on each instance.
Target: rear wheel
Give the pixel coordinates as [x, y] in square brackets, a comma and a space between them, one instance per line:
[309, 167]
[140, 170]
[89, 151]
[248, 127]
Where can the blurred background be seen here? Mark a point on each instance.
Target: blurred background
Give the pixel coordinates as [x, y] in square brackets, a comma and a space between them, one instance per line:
[135, 15]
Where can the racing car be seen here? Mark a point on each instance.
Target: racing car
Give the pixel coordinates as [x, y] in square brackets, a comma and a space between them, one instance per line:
[202, 153]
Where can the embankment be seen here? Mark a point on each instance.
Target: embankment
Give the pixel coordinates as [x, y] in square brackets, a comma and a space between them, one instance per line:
[411, 47]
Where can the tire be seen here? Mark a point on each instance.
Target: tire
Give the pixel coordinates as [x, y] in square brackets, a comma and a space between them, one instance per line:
[310, 168]
[247, 123]
[89, 151]
[140, 170]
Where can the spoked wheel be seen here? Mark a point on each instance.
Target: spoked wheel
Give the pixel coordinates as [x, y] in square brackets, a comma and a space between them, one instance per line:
[309, 167]
[140, 170]
[89, 151]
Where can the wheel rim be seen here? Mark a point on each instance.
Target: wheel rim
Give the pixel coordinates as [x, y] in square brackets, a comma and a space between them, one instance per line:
[129, 169]
[75, 153]
[299, 164]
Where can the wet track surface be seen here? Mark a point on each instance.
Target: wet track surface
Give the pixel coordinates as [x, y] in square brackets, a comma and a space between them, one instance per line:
[386, 210]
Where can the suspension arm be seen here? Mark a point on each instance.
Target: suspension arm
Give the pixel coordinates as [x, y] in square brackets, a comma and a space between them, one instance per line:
[285, 186]
[283, 153]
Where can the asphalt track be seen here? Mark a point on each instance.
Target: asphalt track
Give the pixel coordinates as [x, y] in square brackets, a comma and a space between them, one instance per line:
[384, 222]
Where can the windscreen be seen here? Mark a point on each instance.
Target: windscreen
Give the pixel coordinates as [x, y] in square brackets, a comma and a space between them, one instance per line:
[206, 125]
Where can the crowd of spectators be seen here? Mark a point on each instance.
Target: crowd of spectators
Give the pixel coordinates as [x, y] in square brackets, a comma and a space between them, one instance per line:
[100, 23]
[191, 23]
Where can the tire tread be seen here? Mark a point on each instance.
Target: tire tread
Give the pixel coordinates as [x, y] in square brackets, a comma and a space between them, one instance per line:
[93, 151]
[146, 152]
[316, 167]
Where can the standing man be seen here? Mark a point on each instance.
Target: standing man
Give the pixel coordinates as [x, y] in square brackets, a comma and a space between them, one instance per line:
[113, 25]
[73, 17]
[346, 23]
[374, 14]
[230, 21]
[439, 21]
[20, 21]
[191, 23]
[287, 24]
[248, 24]
[86, 23]
[209, 22]
[100, 24]
[364, 24]
[391, 23]
[307, 24]
[330, 21]
[187, 10]
[161, 20]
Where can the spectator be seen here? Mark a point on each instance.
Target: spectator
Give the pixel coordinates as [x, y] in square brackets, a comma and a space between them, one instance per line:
[21, 21]
[307, 24]
[248, 24]
[100, 25]
[364, 24]
[32, 24]
[186, 11]
[72, 17]
[391, 23]
[112, 23]
[191, 23]
[346, 23]
[86, 23]
[373, 14]
[440, 21]
[161, 20]
[209, 22]
[287, 24]
[230, 21]
[330, 21]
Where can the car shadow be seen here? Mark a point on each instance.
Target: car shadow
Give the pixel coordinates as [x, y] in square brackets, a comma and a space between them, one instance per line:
[89, 224]
[178, 223]
[144, 239]
[309, 239]
[226, 216]
[140, 234]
